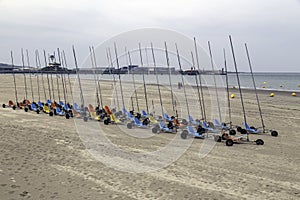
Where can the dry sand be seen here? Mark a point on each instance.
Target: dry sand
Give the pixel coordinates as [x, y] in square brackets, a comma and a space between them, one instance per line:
[44, 158]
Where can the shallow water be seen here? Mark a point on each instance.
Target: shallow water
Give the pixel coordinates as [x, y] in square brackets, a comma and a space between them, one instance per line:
[264, 81]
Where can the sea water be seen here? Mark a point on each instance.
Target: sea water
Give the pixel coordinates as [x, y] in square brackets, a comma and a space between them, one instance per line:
[263, 81]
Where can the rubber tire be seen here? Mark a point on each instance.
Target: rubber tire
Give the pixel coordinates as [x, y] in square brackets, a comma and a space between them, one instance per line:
[243, 131]
[184, 122]
[129, 125]
[229, 142]
[14, 107]
[259, 142]
[85, 119]
[51, 114]
[217, 138]
[223, 137]
[274, 133]
[184, 134]
[232, 132]
[239, 129]
[3, 106]
[154, 130]
[26, 109]
[67, 116]
[106, 122]
[37, 111]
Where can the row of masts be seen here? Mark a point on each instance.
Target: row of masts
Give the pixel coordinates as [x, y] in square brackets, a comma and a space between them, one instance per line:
[47, 90]
[62, 93]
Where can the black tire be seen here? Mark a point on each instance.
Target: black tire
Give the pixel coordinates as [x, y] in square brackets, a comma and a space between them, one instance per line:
[14, 107]
[229, 142]
[26, 109]
[218, 138]
[243, 131]
[154, 130]
[85, 119]
[239, 129]
[129, 125]
[259, 142]
[50, 114]
[37, 111]
[224, 136]
[232, 132]
[184, 134]
[67, 116]
[3, 106]
[274, 133]
[184, 122]
[106, 121]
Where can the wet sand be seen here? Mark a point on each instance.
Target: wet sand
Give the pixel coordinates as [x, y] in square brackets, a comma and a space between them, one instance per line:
[43, 157]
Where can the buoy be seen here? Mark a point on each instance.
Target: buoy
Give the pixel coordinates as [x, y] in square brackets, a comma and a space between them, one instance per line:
[272, 95]
[294, 94]
[265, 83]
[232, 96]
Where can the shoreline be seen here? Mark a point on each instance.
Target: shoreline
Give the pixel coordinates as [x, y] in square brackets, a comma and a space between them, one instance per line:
[259, 90]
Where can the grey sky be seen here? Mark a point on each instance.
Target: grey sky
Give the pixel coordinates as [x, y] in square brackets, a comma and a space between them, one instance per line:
[270, 27]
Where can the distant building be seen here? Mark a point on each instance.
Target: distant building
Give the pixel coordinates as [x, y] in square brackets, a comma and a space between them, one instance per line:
[135, 69]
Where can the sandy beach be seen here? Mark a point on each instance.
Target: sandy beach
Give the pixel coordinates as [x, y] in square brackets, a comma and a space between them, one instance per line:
[43, 157]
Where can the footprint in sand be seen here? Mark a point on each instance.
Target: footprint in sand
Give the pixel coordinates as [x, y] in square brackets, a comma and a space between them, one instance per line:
[24, 194]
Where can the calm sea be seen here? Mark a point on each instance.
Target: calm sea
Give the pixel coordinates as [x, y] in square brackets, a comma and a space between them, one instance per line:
[264, 81]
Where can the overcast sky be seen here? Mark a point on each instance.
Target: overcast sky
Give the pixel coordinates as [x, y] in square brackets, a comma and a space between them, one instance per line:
[270, 27]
